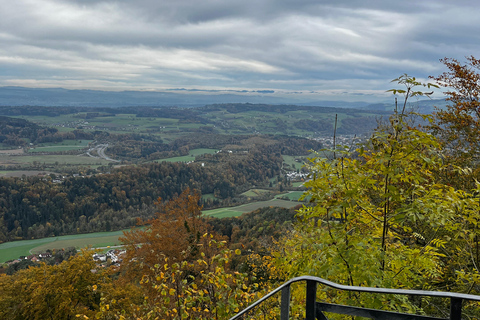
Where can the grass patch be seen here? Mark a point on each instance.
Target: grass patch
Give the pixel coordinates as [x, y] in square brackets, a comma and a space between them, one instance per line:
[208, 196]
[27, 173]
[191, 156]
[15, 249]
[292, 195]
[177, 159]
[52, 159]
[77, 143]
[296, 162]
[249, 207]
[255, 192]
[270, 203]
[200, 151]
[79, 243]
[65, 145]
[54, 149]
[222, 213]
[298, 184]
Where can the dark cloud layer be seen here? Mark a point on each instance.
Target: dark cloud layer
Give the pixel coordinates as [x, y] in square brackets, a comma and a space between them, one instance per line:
[328, 47]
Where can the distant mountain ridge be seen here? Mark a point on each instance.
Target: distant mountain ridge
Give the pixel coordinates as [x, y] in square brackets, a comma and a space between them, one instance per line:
[426, 106]
[21, 96]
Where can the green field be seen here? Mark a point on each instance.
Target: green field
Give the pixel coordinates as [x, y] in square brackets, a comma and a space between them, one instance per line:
[223, 213]
[191, 156]
[296, 161]
[298, 184]
[15, 249]
[249, 207]
[20, 173]
[208, 196]
[292, 195]
[65, 145]
[177, 159]
[255, 192]
[52, 159]
[54, 149]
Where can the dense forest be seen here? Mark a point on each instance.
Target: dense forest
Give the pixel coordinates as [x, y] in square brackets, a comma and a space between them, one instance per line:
[37, 207]
[15, 132]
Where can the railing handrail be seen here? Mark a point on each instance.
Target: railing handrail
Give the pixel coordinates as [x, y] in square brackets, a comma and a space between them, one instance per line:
[439, 294]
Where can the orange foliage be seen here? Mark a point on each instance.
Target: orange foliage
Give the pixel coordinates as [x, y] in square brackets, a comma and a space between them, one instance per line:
[458, 125]
[175, 233]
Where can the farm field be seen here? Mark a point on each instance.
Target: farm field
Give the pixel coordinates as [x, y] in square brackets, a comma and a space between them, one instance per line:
[15, 249]
[20, 173]
[298, 184]
[255, 192]
[223, 213]
[50, 159]
[296, 162]
[249, 207]
[191, 156]
[292, 195]
[65, 145]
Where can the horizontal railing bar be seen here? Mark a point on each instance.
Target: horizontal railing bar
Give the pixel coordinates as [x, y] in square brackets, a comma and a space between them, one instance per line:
[369, 313]
[360, 289]
[438, 294]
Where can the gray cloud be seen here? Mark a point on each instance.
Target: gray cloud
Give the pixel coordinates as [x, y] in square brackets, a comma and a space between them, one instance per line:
[322, 46]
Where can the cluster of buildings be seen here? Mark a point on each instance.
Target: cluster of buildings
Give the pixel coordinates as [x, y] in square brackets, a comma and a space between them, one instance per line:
[114, 255]
[32, 257]
[296, 176]
[342, 140]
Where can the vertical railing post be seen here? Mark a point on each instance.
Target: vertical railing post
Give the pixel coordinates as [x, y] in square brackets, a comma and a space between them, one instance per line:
[311, 297]
[285, 304]
[455, 308]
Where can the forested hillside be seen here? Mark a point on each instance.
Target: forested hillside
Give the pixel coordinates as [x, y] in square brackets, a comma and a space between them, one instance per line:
[86, 204]
[36, 207]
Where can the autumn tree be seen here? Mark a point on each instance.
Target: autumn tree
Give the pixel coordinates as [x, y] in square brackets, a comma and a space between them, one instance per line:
[458, 125]
[183, 270]
[174, 233]
[203, 288]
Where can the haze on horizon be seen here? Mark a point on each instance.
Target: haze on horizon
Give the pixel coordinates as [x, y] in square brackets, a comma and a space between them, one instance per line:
[306, 49]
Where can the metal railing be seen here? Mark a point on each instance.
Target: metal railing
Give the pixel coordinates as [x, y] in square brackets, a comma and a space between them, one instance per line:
[314, 309]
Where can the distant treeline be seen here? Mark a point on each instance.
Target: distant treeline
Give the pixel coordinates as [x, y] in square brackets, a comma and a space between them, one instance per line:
[174, 112]
[244, 107]
[89, 112]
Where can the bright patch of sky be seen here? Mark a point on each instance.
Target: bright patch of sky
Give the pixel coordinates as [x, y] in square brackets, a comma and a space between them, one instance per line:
[337, 50]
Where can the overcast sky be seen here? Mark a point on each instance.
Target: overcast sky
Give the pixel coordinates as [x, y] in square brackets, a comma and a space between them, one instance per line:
[346, 50]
